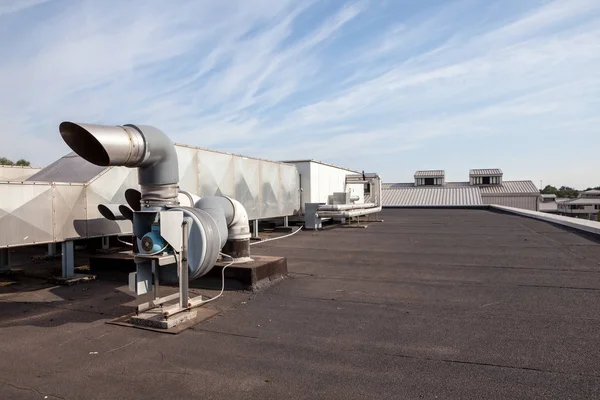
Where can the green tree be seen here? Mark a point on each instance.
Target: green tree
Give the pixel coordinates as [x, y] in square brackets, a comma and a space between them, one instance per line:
[566, 191]
[549, 189]
[6, 161]
[23, 163]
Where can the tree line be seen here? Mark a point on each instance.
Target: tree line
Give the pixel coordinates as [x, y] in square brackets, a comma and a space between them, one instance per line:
[565, 191]
[18, 163]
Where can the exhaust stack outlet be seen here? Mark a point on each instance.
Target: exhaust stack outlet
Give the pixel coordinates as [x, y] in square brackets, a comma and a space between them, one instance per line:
[126, 212]
[136, 146]
[112, 212]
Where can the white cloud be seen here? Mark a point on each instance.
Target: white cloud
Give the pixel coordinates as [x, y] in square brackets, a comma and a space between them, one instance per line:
[287, 79]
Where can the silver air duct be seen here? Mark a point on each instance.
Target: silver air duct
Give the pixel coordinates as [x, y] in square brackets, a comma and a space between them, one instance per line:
[213, 223]
[135, 146]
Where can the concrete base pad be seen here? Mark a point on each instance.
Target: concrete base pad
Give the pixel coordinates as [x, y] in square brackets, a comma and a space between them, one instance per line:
[72, 280]
[254, 275]
[155, 319]
[185, 322]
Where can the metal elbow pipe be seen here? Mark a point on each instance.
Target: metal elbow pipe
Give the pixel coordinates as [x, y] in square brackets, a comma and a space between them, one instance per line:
[214, 207]
[235, 228]
[134, 146]
[236, 216]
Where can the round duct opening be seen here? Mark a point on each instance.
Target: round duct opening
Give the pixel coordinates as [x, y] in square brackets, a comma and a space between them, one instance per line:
[108, 213]
[84, 143]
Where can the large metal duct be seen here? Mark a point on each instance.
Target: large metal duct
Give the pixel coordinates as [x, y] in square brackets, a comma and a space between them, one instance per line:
[212, 222]
[234, 227]
[136, 146]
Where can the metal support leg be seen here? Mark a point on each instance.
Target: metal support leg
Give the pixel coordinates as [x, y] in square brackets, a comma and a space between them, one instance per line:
[51, 249]
[286, 221]
[183, 271]
[255, 229]
[68, 259]
[4, 260]
[105, 242]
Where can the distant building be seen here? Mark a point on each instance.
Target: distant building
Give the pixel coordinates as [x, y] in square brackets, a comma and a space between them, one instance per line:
[548, 203]
[485, 186]
[586, 206]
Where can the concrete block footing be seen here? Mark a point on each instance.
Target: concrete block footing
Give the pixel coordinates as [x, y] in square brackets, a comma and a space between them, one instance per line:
[72, 280]
[155, 319]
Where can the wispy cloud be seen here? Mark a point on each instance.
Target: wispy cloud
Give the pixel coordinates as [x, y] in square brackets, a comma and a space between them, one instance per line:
[360, 83]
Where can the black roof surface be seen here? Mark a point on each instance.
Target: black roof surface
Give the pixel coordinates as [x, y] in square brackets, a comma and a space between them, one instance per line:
[467, 304]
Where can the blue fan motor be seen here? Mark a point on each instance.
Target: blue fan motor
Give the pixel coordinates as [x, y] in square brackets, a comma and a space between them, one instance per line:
[152, 242]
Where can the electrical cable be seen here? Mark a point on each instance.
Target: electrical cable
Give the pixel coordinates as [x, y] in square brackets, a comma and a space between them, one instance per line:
[278, 237]
[222, 280]
[124, 242]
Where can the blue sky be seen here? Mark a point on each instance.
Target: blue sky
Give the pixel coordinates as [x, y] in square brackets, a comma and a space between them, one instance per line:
[385, 86]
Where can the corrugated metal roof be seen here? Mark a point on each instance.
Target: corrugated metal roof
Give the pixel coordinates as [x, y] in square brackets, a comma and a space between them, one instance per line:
[583, 201]
[430, 174]
[428, 196]
[457, 184]
[591, 192]
[511, 187]
[70, 168]
[397, 185]
[485, 172]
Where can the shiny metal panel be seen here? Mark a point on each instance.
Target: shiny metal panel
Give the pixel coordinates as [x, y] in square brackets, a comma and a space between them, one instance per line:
[270, 190]
[11, 173]
[108, 188]
[188, 169]
[215, 174]
[290, 190]
[43, 212]
[25, 214]
[247, 185]
[69, 211]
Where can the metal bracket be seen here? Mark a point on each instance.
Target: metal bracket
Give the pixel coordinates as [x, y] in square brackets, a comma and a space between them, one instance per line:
[181, 258]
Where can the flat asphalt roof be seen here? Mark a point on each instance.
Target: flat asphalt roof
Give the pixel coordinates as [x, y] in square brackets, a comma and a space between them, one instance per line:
[434, 303]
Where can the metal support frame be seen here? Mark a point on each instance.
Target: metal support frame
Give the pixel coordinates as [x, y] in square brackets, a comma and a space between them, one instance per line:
[52, 249]
[105, 242]
[255, 229]
[68, 259]
[183, 296]
[5, 260]
[286, 221]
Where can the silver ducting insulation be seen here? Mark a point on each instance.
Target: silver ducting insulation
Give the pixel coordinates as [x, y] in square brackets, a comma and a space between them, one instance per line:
[343, 207]
[217, 217]
[236, 217]
[355, 210]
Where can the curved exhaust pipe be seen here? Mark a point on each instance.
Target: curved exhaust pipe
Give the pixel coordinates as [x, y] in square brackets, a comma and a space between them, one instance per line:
[136, 146]
[126, 212]
[133, 197]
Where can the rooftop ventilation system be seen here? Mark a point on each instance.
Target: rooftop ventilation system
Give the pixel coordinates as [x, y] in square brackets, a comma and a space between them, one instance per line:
[179, 235]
